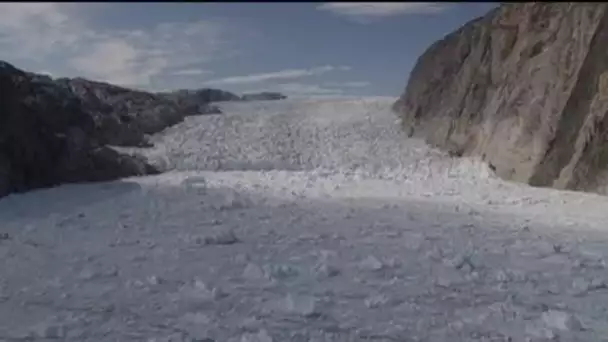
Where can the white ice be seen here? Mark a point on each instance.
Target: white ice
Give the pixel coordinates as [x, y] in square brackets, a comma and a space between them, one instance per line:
[303, 220]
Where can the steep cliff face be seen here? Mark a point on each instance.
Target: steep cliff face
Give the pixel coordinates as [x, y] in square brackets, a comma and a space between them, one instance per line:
[526, 88]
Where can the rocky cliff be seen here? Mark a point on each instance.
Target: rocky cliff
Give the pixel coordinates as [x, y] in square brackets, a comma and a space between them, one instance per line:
[526, 88]
[58, 131]
[48, 137]
[124, 116]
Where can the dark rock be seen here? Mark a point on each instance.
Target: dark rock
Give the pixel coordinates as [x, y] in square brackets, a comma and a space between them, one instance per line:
[203, 95]
[47, 137]
[124, 116]
[265, 96]
[196, 102]
[526, 85]
[55, 131]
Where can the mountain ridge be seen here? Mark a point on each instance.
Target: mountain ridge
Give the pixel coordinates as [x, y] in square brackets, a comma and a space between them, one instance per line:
[55, 131]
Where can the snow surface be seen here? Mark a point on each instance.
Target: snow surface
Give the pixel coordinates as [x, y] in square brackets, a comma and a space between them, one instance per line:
[303, 220]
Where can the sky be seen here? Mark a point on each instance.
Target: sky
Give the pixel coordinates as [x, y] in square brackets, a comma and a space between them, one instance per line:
[299, 49]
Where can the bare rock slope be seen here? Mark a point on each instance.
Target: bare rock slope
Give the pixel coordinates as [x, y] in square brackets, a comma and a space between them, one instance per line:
[526, 88]
[55, 131]
[47, 137]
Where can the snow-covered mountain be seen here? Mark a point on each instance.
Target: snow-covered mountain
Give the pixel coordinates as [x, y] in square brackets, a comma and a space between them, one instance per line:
[302, 220]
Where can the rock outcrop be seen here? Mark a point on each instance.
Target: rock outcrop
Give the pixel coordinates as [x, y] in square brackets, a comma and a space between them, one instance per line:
[198, 100]
[526, 88]
[60, 131]
[47, 137]
[125, 116]
[264, 96]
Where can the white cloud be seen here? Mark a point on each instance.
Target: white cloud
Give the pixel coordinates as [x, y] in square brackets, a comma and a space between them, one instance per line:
[360, 84]
[14, 15]
[31, 30]
[307, 89]
[115, 61]
[136, 57]
[58, 37]
[367, 11]
[191, 72]
[296, 89]
[278, 75]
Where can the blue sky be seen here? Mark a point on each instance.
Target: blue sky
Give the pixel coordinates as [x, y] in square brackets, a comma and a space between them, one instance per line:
[301, 49]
